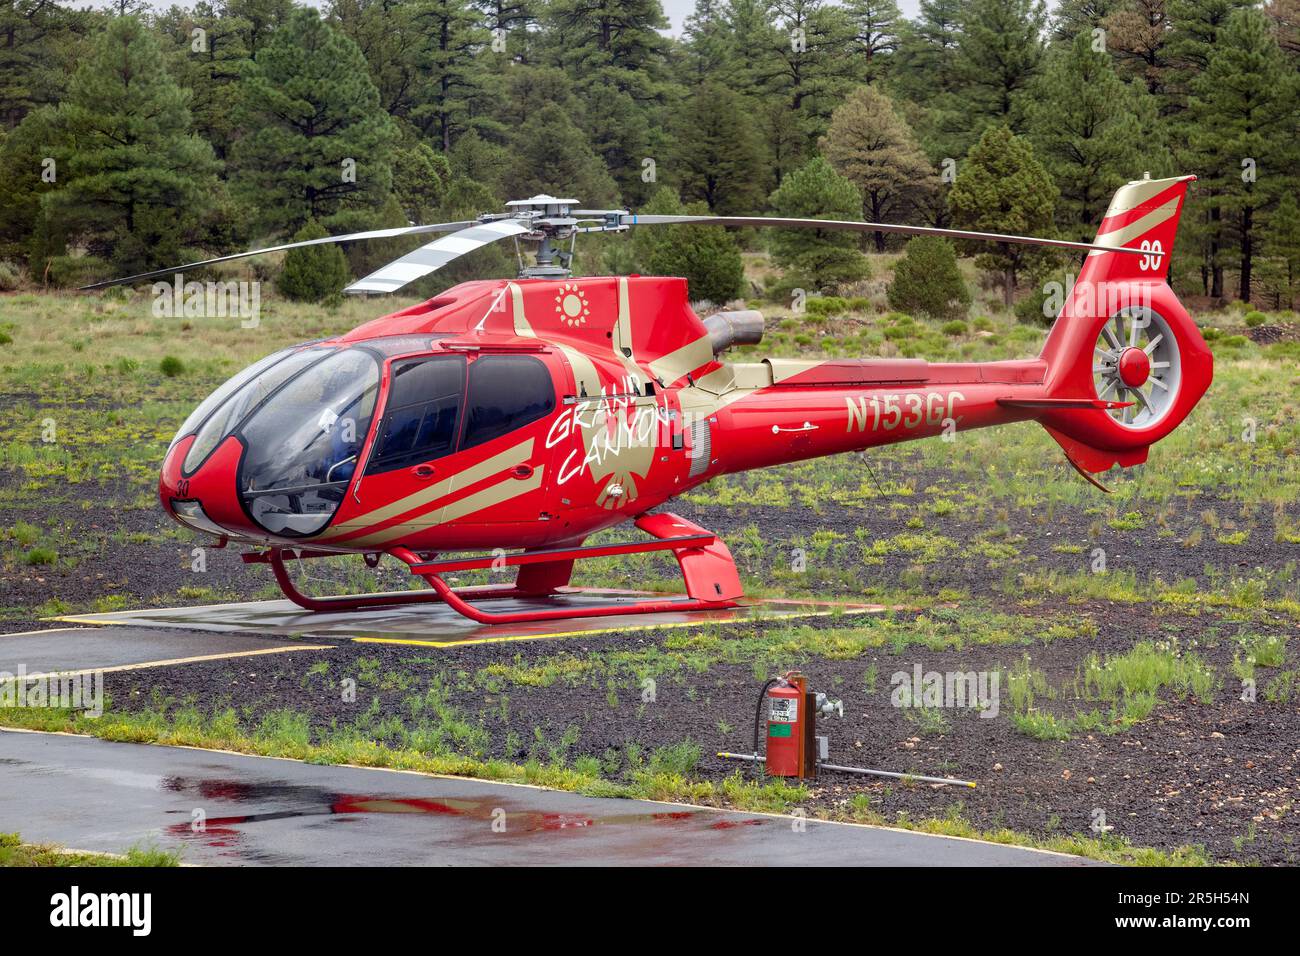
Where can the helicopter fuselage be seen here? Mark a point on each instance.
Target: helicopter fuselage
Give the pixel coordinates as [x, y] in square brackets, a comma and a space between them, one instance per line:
[531, 414]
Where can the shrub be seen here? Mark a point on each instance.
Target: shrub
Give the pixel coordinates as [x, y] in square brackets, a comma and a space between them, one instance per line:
[926, 280]
[1029, 309]
[10, 277]
[708, 258]
[954, 328]
[65, 271]
[171, 366]
[1254, 319]
[826, 305]
[314, 273]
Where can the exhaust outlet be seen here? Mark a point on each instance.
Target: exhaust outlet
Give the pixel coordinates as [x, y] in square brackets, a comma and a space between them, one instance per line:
[734, 328]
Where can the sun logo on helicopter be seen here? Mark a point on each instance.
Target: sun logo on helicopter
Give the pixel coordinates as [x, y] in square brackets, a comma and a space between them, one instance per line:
[571, 303]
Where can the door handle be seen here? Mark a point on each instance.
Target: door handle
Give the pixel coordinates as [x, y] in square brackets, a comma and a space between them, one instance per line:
[423, 471]
[522, 471]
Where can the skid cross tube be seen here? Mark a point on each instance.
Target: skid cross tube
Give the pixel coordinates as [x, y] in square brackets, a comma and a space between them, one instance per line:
[275, 557]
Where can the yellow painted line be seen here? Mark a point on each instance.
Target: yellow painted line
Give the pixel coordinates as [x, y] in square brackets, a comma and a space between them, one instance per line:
[181, 660]
[44, 630]
[666, 625]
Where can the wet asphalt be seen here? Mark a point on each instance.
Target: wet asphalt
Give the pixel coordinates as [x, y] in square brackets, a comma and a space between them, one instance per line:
[235, 810]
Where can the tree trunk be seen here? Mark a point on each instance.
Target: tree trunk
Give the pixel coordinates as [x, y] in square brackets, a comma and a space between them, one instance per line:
[1216, 268]
[1247, 251]
[1008, 287]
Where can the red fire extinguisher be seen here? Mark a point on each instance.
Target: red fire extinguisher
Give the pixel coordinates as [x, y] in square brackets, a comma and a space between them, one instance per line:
[786, 721]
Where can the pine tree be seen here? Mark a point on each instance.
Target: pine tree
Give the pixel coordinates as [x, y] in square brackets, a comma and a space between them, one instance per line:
[719, 158]
[925, 74]
[1196, 26]
[1282, 245]
[1000, 50]
[551, 155]
[133, 179]
[450, 72]
[392, 41]
[208, 57]
[708, 41]
[510, 22]
[39, 43]
[313, 273]
[1137, 35]
[820, 257]
[420, 179]
[871, 146]
[813, 62]
[610, 38]
[486, 163]
[23, 153]
[257, 20]
[317, 145]
[876, 26]
[1244, 110]
[1093, 131]
[1001, 187]
[1070, 18]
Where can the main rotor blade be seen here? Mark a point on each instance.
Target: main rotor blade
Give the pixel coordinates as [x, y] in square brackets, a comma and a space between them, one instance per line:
[435, 255]
[635, 220]
[350, 237]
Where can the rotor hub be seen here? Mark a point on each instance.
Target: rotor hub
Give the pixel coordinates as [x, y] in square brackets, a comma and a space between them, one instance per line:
[1134, 367]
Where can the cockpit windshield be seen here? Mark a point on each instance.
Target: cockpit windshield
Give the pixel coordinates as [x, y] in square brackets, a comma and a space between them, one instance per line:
[302, 444]
[257, 383]
[200, 414]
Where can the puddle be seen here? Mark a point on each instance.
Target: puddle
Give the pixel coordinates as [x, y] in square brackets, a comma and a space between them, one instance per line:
[293, 801]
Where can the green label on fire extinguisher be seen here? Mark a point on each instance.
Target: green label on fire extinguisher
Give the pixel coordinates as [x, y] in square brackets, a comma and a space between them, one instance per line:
[779, 730]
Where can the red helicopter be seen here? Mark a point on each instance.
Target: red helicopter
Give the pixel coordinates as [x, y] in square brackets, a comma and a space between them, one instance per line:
[521, 417]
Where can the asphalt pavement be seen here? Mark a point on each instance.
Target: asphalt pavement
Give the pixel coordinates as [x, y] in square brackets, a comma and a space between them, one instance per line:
[231, 809]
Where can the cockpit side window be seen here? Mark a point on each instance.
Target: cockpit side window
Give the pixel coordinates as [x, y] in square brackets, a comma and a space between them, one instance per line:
[422, 415]
[505, 392]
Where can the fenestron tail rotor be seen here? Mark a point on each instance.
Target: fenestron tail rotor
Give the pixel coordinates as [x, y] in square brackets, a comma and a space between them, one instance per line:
[548, 221]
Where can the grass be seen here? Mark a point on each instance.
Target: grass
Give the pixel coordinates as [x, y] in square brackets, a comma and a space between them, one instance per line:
[15, 853]
[1127, 685]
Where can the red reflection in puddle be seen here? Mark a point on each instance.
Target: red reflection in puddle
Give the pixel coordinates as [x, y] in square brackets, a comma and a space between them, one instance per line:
[221, 832]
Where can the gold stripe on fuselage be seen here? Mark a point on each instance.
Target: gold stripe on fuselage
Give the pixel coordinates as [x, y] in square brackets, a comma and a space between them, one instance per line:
[489, 497]
[503, 461]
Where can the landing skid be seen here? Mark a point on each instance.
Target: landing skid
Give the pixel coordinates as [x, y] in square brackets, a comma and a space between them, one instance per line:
[707, 567]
